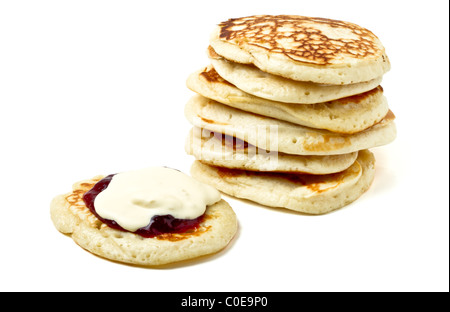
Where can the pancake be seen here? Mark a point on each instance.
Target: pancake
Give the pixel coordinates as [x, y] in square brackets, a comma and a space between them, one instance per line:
[71, 216]
[220, 150]
[250, 79]
[312, 194]
[303, 48]
[281, 136]
[347, 115]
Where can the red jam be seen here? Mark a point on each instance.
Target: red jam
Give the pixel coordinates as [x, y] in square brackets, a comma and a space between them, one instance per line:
[158, 224]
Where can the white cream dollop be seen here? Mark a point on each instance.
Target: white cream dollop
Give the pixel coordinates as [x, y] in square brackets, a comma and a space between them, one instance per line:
[132, 198]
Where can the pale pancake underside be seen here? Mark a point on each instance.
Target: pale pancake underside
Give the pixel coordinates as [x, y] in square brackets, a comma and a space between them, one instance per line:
[303, 48]
[71, 216]
[276, 88]
[223, 151]
[348, 115]
[312, 194]
[275, 135]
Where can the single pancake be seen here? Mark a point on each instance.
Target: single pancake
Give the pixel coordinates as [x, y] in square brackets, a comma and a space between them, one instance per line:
[71, 216]
[252, 80]
[312, 194]
[303, 48]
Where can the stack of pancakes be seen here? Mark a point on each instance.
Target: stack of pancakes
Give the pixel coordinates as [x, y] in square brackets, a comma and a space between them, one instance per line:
[286, 111]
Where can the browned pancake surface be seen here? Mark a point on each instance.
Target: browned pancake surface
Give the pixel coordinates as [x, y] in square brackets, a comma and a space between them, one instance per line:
[302, 38]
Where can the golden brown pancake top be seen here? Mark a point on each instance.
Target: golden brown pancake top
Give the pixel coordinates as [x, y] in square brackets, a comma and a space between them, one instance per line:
[307, 39]
[211, 75]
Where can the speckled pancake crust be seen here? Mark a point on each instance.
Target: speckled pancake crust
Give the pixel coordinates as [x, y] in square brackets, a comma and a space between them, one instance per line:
[70, 216]
[312, 194]
[303, 48]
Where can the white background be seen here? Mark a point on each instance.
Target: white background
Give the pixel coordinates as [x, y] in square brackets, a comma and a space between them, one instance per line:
[97, 87]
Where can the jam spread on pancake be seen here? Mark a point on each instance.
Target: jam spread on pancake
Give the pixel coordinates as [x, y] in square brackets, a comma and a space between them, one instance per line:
[230, 141]
[158, 224]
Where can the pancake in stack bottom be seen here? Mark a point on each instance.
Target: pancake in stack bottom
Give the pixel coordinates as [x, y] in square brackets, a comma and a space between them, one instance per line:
[287, 111]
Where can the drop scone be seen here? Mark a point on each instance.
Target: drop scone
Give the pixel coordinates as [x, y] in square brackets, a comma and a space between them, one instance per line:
[303, 48]
[312, 194]
[276, 88]
[147, 217]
